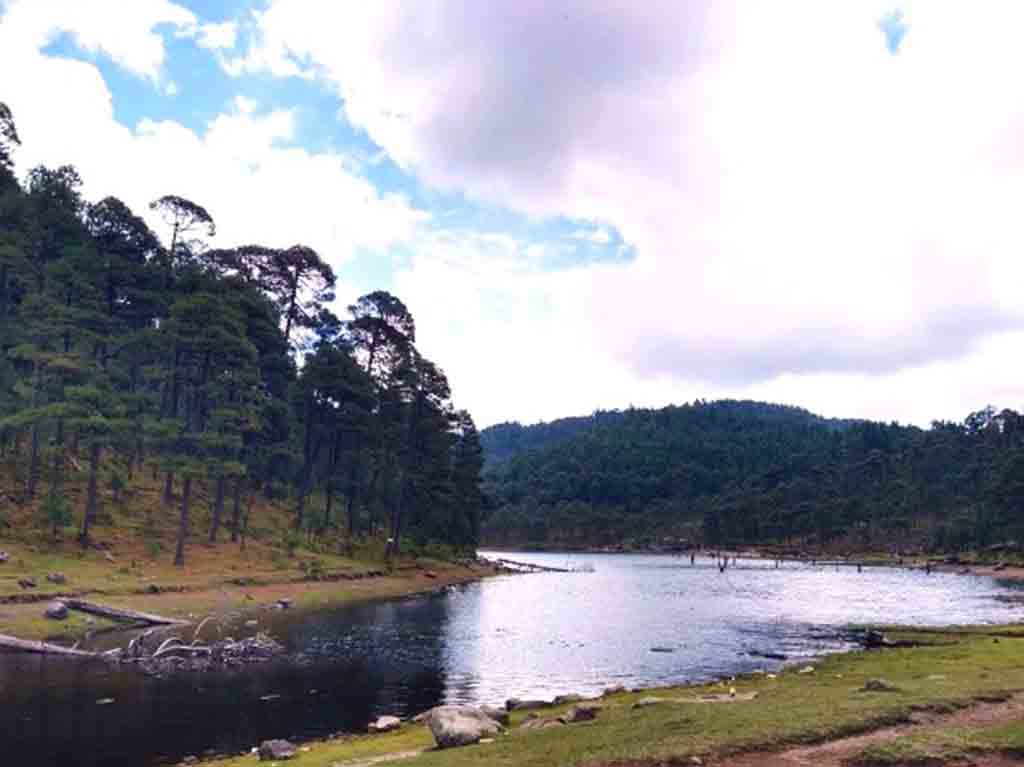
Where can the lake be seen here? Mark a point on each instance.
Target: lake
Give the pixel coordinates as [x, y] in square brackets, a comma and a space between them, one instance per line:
[532, 635]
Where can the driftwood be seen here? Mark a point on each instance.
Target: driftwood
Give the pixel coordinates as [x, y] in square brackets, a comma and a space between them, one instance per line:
[531, 566]
[42, 648]
[121, 614]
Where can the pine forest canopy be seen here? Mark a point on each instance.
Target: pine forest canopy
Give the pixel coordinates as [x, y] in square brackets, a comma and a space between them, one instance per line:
[734, 473]
[219, 367]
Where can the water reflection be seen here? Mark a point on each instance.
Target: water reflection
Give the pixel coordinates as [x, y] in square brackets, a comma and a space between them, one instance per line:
[531, 636]
[343, 669]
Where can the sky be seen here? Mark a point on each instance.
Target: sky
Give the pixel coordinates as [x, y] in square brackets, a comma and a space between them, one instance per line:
[588, 204]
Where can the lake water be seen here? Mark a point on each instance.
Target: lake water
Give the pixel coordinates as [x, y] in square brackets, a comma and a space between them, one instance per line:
[518, 635]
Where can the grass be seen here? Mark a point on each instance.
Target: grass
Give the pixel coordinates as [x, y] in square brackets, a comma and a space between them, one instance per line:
[131, 564]
[945, 745]
[793, 708]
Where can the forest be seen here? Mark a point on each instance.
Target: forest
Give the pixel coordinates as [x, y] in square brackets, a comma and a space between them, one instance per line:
[220, 374]
[738, 472]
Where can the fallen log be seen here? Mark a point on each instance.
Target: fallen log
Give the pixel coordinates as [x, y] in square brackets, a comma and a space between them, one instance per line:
[42, 648]
[531, 566]
[121, 614]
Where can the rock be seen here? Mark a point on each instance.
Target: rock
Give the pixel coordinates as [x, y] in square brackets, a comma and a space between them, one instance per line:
[108, 556]
[454, 726]
[26, 583]
[283, 604]
[4, 556]
[59, 578]
[541, 723]
[645, 702]
[879, 685]
[586, 712]
[190, 760]
[561, 700]
[430, 574]
[615, 689]
[696, 761]
[152, 589]
[806, 670]
[276, 750]
[57, 611]
[875, 639]
[515, 704]
[385, 724]
[499, 715]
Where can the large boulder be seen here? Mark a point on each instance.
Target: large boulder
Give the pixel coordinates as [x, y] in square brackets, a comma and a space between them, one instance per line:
[58, 578]
[57, 611]
[276, 750]
[454, 726]
[385, 724]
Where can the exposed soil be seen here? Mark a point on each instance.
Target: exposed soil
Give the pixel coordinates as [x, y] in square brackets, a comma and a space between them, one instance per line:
[839, 753]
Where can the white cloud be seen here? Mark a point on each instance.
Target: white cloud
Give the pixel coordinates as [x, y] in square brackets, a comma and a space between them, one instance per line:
[124, 31]
[216, 36]
[806, 209]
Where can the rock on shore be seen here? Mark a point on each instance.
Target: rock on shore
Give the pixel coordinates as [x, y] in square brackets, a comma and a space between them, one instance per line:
[454, 726]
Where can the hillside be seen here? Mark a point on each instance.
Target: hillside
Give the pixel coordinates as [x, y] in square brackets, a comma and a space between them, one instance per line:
[740, 472]
[219, 379]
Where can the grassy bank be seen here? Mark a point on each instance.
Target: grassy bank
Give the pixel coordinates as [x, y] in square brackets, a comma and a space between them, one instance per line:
[130, 565]
[950, 671]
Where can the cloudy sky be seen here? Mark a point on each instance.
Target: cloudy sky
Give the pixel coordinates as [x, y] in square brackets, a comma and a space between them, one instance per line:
[589, 203]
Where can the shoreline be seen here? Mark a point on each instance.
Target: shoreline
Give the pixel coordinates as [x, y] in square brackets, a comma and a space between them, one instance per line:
[753, 715]
[24, 619]
[967, 566]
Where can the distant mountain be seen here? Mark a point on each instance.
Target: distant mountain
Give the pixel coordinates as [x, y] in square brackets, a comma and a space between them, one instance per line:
[752, 472]
[507, 440]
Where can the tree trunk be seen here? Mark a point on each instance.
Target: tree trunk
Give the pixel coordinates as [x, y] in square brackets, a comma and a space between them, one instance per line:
[91, 502]
[218, 509]
[300, 507]
[351, 510]
[394, 547]
[169, 488]
[179, 552]
[236, 511]
[329, 490]
[33, 465]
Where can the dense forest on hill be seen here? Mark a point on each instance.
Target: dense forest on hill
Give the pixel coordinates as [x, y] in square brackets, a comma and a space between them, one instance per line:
[222, 371]
[729, 472]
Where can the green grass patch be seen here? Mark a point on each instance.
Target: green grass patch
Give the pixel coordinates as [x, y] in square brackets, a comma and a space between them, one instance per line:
[945, 745]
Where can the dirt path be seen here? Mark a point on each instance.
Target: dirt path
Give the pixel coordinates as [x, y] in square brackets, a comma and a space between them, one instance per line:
[837, 753]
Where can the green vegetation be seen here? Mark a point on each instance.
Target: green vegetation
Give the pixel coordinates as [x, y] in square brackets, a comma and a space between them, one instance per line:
[945, 745]
[217, 375]
[791, 709]
[735, 473]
